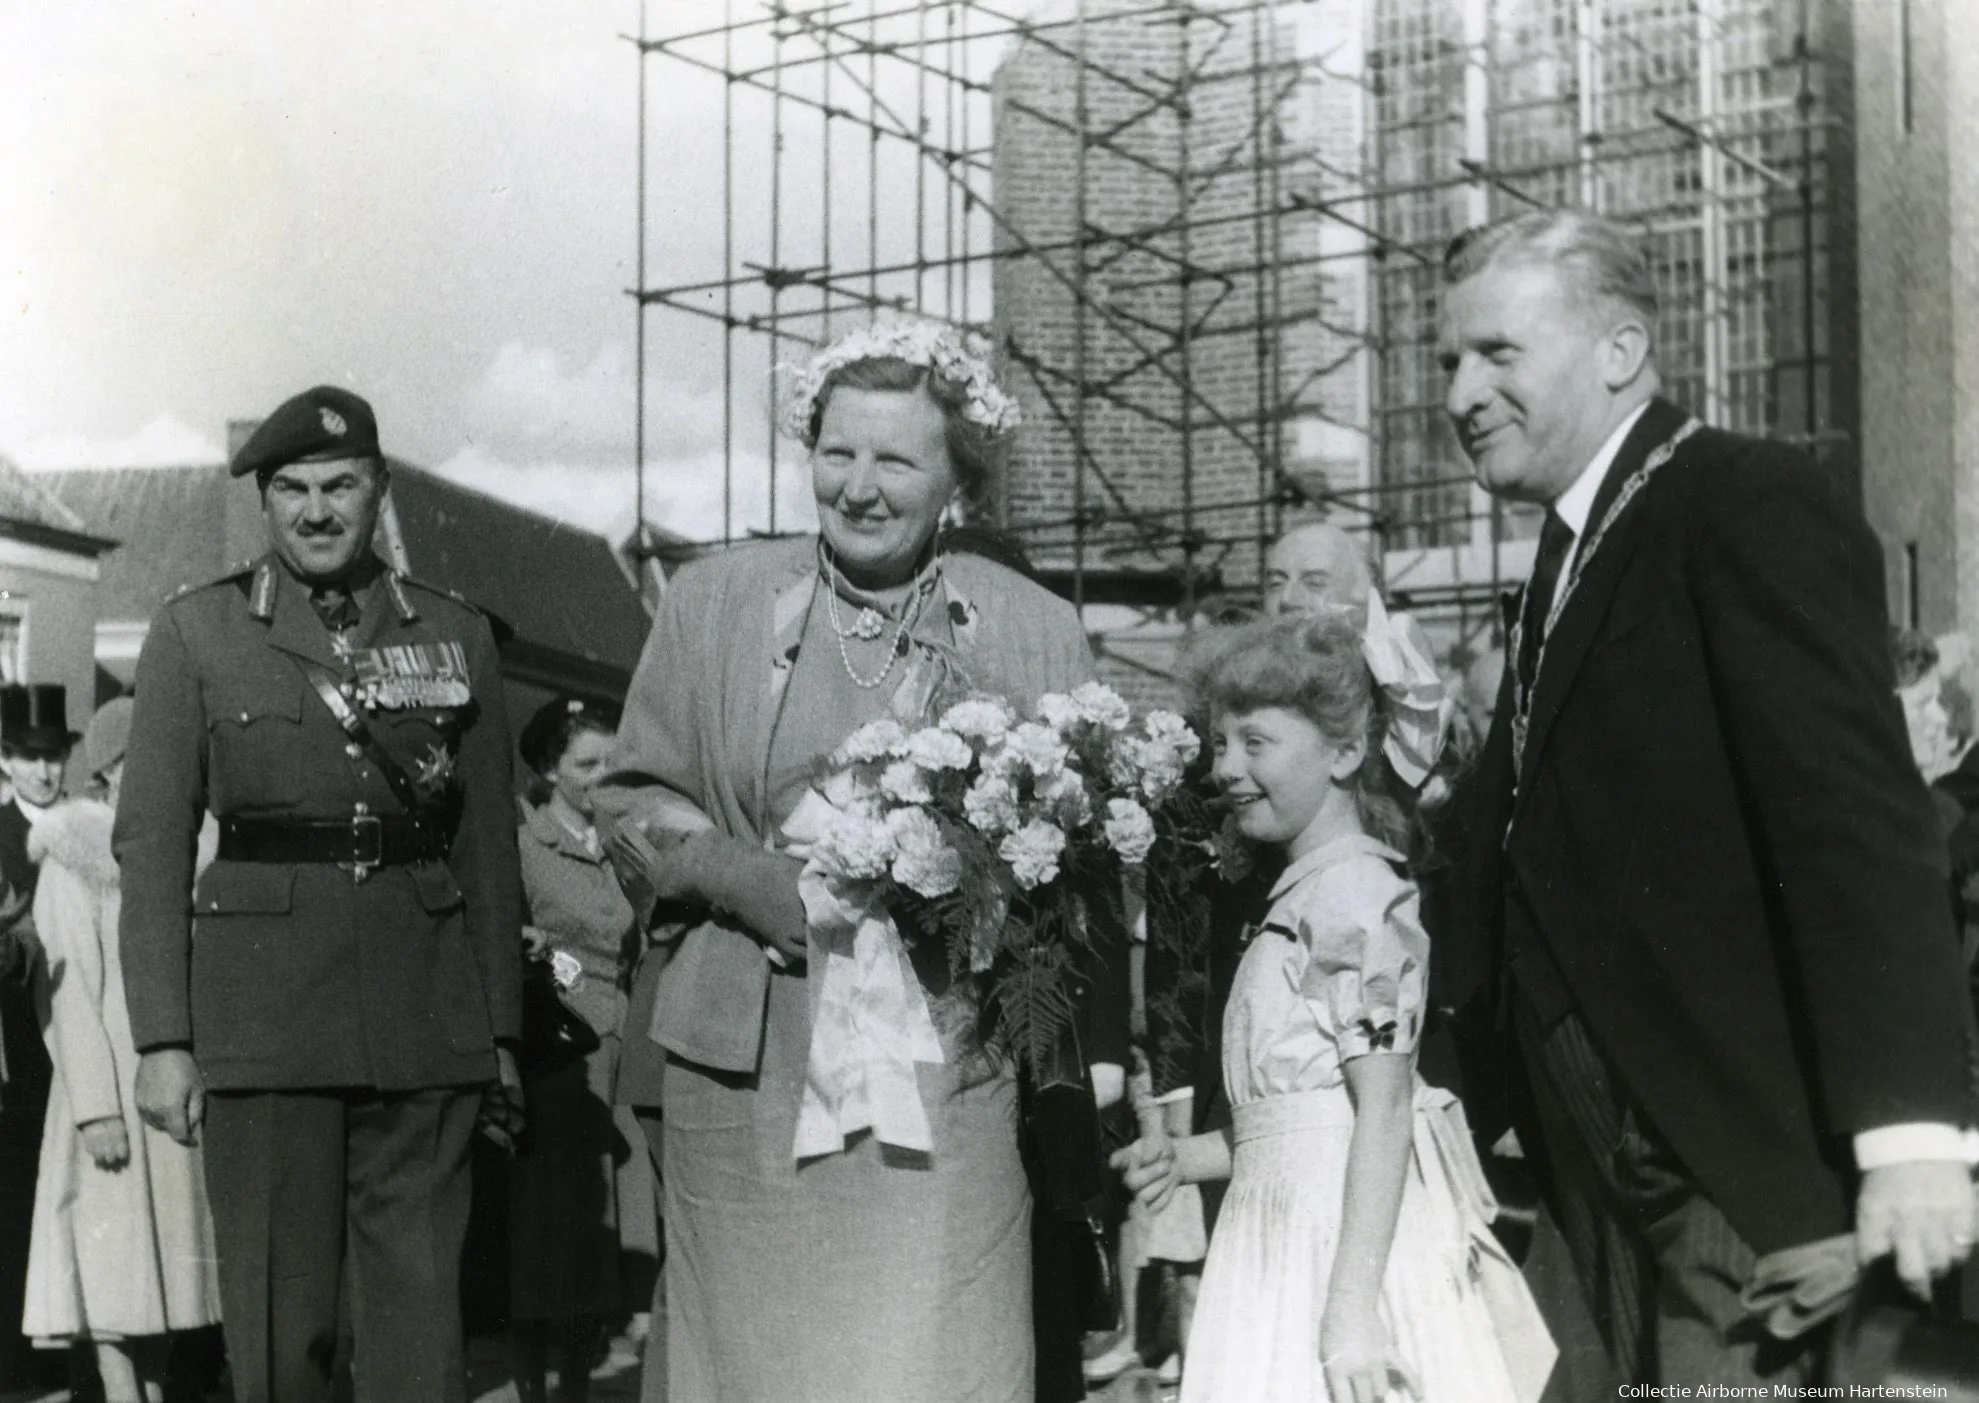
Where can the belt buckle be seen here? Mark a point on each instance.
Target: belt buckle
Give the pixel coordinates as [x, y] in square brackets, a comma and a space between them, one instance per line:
[367, 845]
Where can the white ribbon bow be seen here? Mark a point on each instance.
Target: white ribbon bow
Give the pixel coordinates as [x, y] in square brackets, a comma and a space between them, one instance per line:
[870, 1023]
[1419, 705]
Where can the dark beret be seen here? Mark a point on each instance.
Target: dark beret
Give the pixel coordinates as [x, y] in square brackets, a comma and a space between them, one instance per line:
[548, 733]
[318, 425]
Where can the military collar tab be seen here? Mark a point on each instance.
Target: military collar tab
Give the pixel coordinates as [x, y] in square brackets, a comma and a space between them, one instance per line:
[401, 601]
[261, 596]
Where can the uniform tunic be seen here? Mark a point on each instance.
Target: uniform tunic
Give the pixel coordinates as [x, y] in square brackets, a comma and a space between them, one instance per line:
[281, 975]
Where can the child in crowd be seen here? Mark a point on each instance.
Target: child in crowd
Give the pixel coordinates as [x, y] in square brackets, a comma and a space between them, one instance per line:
[1353, 1258]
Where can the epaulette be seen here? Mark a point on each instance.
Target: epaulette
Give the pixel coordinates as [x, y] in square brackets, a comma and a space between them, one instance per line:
[455, 595]
[236, 572]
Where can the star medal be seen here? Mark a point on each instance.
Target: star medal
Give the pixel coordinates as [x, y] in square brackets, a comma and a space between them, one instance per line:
[434, 769]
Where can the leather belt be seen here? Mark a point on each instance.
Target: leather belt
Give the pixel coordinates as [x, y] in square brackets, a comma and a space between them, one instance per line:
[363, 841]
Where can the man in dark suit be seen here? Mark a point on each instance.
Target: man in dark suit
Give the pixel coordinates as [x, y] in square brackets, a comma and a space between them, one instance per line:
[337, 993]
[1701, 879]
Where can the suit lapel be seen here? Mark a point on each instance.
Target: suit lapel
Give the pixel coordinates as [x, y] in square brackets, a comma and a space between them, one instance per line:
[1574, 631]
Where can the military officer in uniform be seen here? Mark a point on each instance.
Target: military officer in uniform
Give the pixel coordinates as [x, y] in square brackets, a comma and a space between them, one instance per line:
[335, 1000]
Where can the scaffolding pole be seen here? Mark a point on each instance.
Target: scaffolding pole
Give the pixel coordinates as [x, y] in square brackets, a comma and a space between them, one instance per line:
[1195, 344]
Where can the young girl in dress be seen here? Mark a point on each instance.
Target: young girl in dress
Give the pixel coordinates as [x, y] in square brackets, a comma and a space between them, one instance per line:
[1353, 1260]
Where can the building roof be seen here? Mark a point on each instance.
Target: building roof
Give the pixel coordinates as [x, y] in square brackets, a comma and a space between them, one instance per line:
[166, 519]
[28, 508]
[556, 585]
[562, 591]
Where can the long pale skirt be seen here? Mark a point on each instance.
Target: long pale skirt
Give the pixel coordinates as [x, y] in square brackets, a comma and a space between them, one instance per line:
[870, 1276]
[1255, 1337]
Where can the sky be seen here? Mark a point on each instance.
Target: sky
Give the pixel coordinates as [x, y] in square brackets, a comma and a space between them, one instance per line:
[207, 207]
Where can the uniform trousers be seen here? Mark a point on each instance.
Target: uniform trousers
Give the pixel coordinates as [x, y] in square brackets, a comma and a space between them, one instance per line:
[303, 1183]
[1660, 1265]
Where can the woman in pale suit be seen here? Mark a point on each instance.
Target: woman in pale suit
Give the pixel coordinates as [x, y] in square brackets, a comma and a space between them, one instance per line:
[869, 1271]
[123, 1242]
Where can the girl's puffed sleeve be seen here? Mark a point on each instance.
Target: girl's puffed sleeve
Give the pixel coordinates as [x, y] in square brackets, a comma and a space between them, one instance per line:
[1368, 974]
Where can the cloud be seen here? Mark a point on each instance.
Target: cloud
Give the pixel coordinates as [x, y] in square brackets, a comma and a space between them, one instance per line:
[555, 433]
[162, 443]
[592, 496]
[533, 401]
[683, 494]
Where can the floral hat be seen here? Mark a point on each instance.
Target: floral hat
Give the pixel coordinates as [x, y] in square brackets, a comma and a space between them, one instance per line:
[960, 358]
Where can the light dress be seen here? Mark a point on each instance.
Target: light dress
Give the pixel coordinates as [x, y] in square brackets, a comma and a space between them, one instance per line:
[1338, 971]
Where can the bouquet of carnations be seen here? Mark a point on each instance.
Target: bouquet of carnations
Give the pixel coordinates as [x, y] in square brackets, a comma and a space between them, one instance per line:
[1000, 836]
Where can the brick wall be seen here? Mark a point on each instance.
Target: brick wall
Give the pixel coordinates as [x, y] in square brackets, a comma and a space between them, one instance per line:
[1201, 376]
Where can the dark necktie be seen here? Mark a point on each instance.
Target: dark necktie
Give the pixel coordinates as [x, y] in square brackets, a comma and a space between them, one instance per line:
[335, 607]
[1555, 540]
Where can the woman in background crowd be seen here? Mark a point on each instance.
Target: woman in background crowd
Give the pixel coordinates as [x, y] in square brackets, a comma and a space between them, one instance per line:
[123, 1243]
[583, 1222]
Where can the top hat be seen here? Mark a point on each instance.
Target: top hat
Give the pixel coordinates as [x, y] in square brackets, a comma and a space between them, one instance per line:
[34, 719]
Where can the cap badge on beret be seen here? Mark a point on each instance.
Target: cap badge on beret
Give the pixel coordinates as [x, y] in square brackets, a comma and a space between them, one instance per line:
[333, 422]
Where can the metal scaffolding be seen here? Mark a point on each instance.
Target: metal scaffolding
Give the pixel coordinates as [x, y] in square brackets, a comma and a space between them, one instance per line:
[1205, 240]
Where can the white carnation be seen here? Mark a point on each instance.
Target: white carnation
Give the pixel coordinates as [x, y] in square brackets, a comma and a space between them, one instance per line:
[1161, 774]
[1036, 747]
[1033, 852]
[565, 969]
[983, 719]
[870, 742]
[844, 789]
[856, 847]
[1058, 711]
[1129, 830]
[990, 804]
[1101, 705]
[905, 782]
[1123, 761]
[923, 861]
[1064, 796]
[936, 749]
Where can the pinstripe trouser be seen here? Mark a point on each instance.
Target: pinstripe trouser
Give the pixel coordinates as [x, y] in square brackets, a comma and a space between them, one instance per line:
[1660, 1265]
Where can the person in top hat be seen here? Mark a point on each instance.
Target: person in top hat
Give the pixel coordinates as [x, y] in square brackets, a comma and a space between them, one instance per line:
[336, 998]
[35, 741]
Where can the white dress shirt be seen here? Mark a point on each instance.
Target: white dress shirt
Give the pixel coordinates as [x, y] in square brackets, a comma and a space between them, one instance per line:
[1576, 504]
[1886, 1144]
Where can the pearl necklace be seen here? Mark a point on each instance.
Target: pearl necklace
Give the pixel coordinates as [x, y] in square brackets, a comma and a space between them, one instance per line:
[868, 624]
